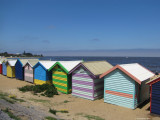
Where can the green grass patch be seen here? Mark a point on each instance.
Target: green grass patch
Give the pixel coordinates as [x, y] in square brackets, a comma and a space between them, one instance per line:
[66, 101]
[55, 111]
[39, 100]
[90, 117]
[11, 115]
[45, 89]
[4, 96]
[50, 118]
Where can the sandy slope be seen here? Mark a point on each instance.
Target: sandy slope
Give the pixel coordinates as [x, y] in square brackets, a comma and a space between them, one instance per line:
[77, 107]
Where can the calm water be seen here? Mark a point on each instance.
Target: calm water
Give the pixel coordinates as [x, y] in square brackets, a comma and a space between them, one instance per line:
[152, 63]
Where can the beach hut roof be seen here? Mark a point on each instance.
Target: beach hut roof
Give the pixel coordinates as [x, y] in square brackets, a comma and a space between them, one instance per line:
[23, 61]
[153, 79]
[134, 70]
[47, 64]
[32, 62]
[67, 65]
[12, 62]
[95, 67]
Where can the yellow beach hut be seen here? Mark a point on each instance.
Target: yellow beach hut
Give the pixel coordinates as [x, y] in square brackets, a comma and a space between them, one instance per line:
[11, 68]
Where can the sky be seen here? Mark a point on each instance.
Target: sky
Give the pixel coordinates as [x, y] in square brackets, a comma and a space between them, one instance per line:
[81, 27]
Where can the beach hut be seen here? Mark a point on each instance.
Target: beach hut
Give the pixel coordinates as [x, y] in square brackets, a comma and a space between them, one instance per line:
[41, 73]
[19, 68]
[10, 64]
[0, 67]
[4, 68]
[28, 70]
[61, 77]
[125, 85]
[155, 94]
[85, 79]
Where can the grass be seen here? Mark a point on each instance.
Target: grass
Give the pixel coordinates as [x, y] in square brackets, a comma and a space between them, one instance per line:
[39, 100]
[11, 115]
[90, 117]
[55, 111]
[66, 101]
[4, 96]
[10, 98]
[45, 89]
[50, 118]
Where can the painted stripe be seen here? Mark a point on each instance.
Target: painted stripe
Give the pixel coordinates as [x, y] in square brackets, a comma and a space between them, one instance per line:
[81, 92]
[60, 73]
[62, 90]
[82, 79]
[82, 89]
[82, 75]
[119, 94]
[28, 75]
[40, 82]
[59, 78]
[60, 81]
[82, 82]
[61, 84]
[127, 92]
[80, 85]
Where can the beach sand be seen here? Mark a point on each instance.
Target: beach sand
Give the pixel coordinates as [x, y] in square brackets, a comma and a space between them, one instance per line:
[79, 109]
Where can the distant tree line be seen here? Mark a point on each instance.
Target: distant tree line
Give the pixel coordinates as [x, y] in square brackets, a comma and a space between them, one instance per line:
[24, 54]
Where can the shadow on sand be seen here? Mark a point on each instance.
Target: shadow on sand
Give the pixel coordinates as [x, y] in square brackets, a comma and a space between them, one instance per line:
[143, 104]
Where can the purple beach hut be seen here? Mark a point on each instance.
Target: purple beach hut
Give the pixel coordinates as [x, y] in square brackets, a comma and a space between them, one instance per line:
[85, 79]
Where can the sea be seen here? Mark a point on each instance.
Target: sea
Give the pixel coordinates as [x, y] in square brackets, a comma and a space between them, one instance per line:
[152, 63]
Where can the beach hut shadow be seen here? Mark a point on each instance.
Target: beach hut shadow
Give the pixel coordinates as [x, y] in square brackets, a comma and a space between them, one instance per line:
[143, 104]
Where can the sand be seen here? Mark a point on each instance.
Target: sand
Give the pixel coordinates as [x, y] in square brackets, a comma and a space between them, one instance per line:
[79, 109]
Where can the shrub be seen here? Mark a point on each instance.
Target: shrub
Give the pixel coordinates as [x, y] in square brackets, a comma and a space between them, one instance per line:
[49, 90]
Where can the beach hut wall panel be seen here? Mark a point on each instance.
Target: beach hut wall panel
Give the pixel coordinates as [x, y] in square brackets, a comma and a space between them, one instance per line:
[4, 68]
[115, 93]
[155, 95]
[28, 73]
[11, 68]
[41, 73]
[60, 80]
[0, 67]
[85, 79]
[125, 85]
[19, 68]
[60, 77]
[28, 70]
[155, 98]
[85, 85]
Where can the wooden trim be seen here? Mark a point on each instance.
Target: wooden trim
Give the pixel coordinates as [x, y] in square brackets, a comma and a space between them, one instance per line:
[154, 81]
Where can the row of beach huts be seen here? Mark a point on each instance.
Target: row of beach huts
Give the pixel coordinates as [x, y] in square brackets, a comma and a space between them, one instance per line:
[126, 85]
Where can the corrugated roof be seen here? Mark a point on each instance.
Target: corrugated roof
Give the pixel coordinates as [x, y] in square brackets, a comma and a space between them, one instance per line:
[153, 78]
[97, 67]
[69, 65]
[137, 71]
[23, 61]
[32, 62]
[12, 62]
[47, 64]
